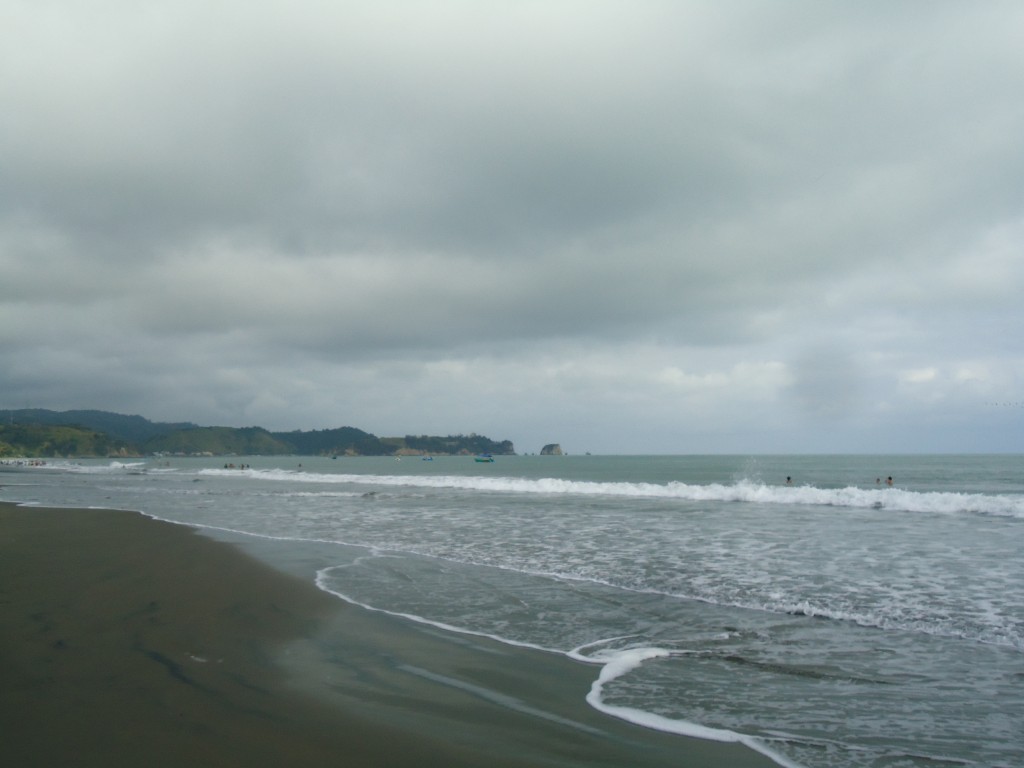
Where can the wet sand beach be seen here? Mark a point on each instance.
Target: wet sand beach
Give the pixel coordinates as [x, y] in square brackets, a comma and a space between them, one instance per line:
[128, 641]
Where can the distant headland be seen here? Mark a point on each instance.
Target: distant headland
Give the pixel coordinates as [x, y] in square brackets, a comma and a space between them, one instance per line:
[41, 433]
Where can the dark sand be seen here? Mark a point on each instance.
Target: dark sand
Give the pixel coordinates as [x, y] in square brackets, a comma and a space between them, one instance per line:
[127, 642]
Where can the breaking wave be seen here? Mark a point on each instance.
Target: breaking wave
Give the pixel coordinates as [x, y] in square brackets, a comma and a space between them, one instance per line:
[895, 499]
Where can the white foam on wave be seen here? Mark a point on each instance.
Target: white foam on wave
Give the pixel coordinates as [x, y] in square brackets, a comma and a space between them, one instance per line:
[894, 499]
[324, 494]
[617, 663]
[993, 629]
[114, 467]
[996, 631]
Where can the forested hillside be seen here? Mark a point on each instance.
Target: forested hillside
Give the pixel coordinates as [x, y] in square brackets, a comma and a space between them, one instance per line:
[88, 433]
[44, 441]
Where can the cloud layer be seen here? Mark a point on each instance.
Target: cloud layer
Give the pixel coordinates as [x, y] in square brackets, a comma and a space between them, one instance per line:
[658, 227]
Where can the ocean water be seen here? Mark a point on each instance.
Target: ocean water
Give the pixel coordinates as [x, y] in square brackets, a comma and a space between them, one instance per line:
[832, 621]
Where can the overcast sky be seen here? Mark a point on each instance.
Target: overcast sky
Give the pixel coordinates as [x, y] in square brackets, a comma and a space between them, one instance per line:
[627, 227]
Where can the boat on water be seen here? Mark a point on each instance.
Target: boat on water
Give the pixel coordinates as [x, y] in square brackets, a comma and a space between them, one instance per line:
[484, 457]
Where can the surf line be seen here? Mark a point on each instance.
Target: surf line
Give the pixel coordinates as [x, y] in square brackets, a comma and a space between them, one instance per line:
[619, 663]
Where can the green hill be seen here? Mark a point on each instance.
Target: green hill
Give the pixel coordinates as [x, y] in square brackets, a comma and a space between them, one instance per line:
[455, 445]
[219, 441]
[333, 442]
[130, 429]
[44, 441]
[88, 433]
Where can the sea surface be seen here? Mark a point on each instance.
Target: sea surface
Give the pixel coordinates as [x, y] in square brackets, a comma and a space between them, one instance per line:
[831, 621]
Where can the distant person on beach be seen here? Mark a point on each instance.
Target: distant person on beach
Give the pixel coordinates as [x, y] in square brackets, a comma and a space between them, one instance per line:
[888, 480]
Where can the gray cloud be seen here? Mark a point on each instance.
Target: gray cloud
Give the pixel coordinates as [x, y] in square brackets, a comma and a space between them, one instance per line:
[628, 225]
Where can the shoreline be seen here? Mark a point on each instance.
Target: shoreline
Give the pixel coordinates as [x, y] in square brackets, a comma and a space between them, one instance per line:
[127, 640]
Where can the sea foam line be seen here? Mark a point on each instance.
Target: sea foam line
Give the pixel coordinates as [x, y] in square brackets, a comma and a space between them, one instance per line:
[743, 491]
[322, 583]
[619, 663]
